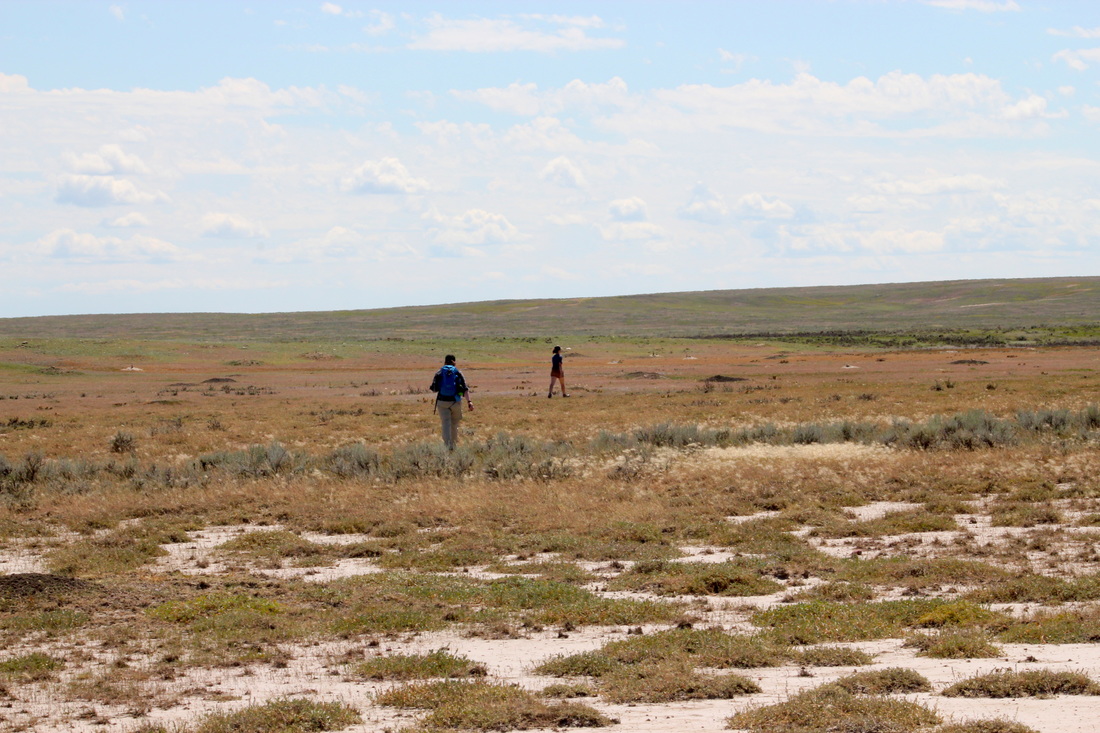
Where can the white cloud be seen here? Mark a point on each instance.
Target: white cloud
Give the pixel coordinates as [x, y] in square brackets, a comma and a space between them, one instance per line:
[334, 9]
[526, 99]
[632, 231]
[704, 205]
[382, 23]
[1076, 32]
[488, 35]
[69, 244]
[230, 226]
[944, 105]
[1080, 59]
[132, 220]
[151, 286]
[982, 6]
[631, 209]
[109, 159]
[901, 241]
[339, 243]
[386, 176]
[971, 183]
[1092, 114]
[733, 61]
[118, 12]
[13, 83]
[84, 190]
[563, 172]
[756, 205]
[474, 227]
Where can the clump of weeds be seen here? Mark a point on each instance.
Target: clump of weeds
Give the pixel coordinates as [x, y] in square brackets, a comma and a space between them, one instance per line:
[485, 705]
[1031, 683]
[436, 664]
[832, 708]
[954, 644]
[885, 682]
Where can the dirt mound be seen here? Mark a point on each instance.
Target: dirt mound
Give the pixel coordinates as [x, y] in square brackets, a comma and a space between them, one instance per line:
[724, 378]
[218, 380]
[25, 585]
[644, 375]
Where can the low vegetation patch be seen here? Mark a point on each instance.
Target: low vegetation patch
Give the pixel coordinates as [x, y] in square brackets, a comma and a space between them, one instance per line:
[437, 664]
[831, 656]
[825, 621]
[832, 708]
[955, 644]
[992, 725]
[694, 578]
[1031, 683]
[33, 667]
[1077, 626]
[884, 682]
[286, 714]
[484, 705]
[670, 681]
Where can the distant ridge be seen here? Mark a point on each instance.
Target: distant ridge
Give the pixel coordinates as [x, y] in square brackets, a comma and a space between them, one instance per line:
[951, 305]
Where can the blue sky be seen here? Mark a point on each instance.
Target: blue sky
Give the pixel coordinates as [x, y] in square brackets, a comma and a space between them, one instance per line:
[287, 156]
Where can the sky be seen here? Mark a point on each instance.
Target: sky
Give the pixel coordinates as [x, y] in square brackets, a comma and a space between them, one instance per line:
[276, 155]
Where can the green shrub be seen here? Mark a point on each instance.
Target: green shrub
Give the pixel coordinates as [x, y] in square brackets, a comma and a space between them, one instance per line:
[831, 656]
[694, 578]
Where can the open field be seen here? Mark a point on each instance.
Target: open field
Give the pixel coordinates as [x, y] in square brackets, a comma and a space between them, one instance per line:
[202, 532]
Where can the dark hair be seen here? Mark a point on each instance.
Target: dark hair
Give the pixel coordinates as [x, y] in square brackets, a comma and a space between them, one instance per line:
[557, 349]
[449, 359]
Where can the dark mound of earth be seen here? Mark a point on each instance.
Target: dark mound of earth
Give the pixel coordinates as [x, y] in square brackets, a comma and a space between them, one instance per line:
[25, 585]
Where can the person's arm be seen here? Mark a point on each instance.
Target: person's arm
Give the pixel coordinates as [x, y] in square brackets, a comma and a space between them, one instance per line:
[466, 391]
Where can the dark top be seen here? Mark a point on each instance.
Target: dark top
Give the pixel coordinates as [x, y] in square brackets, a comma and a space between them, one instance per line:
[555, 365]
[460, 386]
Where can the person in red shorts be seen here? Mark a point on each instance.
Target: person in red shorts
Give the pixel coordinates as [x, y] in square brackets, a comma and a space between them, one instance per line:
[557, 372]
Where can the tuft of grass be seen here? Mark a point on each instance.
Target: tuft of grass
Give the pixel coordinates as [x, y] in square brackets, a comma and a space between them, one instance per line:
[894, 680]
[569, 690]
[991, 725]
[670, 681]
[712, 648]
[1031, 683]
[275, 545]
[836, 591]
[964, 614]
[1024, 514]
[955, 644]
[831, 656]
[824, 621]
[920, 572]
[1034, 588]
[115, 552]
[484, 705]
[832, 708]
[287, 715]
[892, 523]
[33, 667]
[1077, 626]
[693, 578]
[439, 663]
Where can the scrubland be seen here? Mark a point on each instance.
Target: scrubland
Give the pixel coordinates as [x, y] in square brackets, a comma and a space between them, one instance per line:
[706, 535]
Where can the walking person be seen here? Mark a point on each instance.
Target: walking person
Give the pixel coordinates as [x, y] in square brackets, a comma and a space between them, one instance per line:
[557, 372]
[450, 387]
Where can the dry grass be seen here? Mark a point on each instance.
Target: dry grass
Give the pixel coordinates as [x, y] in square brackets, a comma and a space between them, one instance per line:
[585, 505]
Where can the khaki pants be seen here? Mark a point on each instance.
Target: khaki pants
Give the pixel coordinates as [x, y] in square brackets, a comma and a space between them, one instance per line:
[450, 415]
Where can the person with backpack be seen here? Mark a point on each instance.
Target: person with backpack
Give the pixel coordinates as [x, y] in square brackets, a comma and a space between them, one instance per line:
[450, 387]
[557, 372]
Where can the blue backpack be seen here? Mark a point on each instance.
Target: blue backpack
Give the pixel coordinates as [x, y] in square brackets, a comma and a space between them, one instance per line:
[448, 382]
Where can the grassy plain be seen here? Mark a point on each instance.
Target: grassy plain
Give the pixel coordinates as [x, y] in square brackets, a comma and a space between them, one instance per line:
[211, 516]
